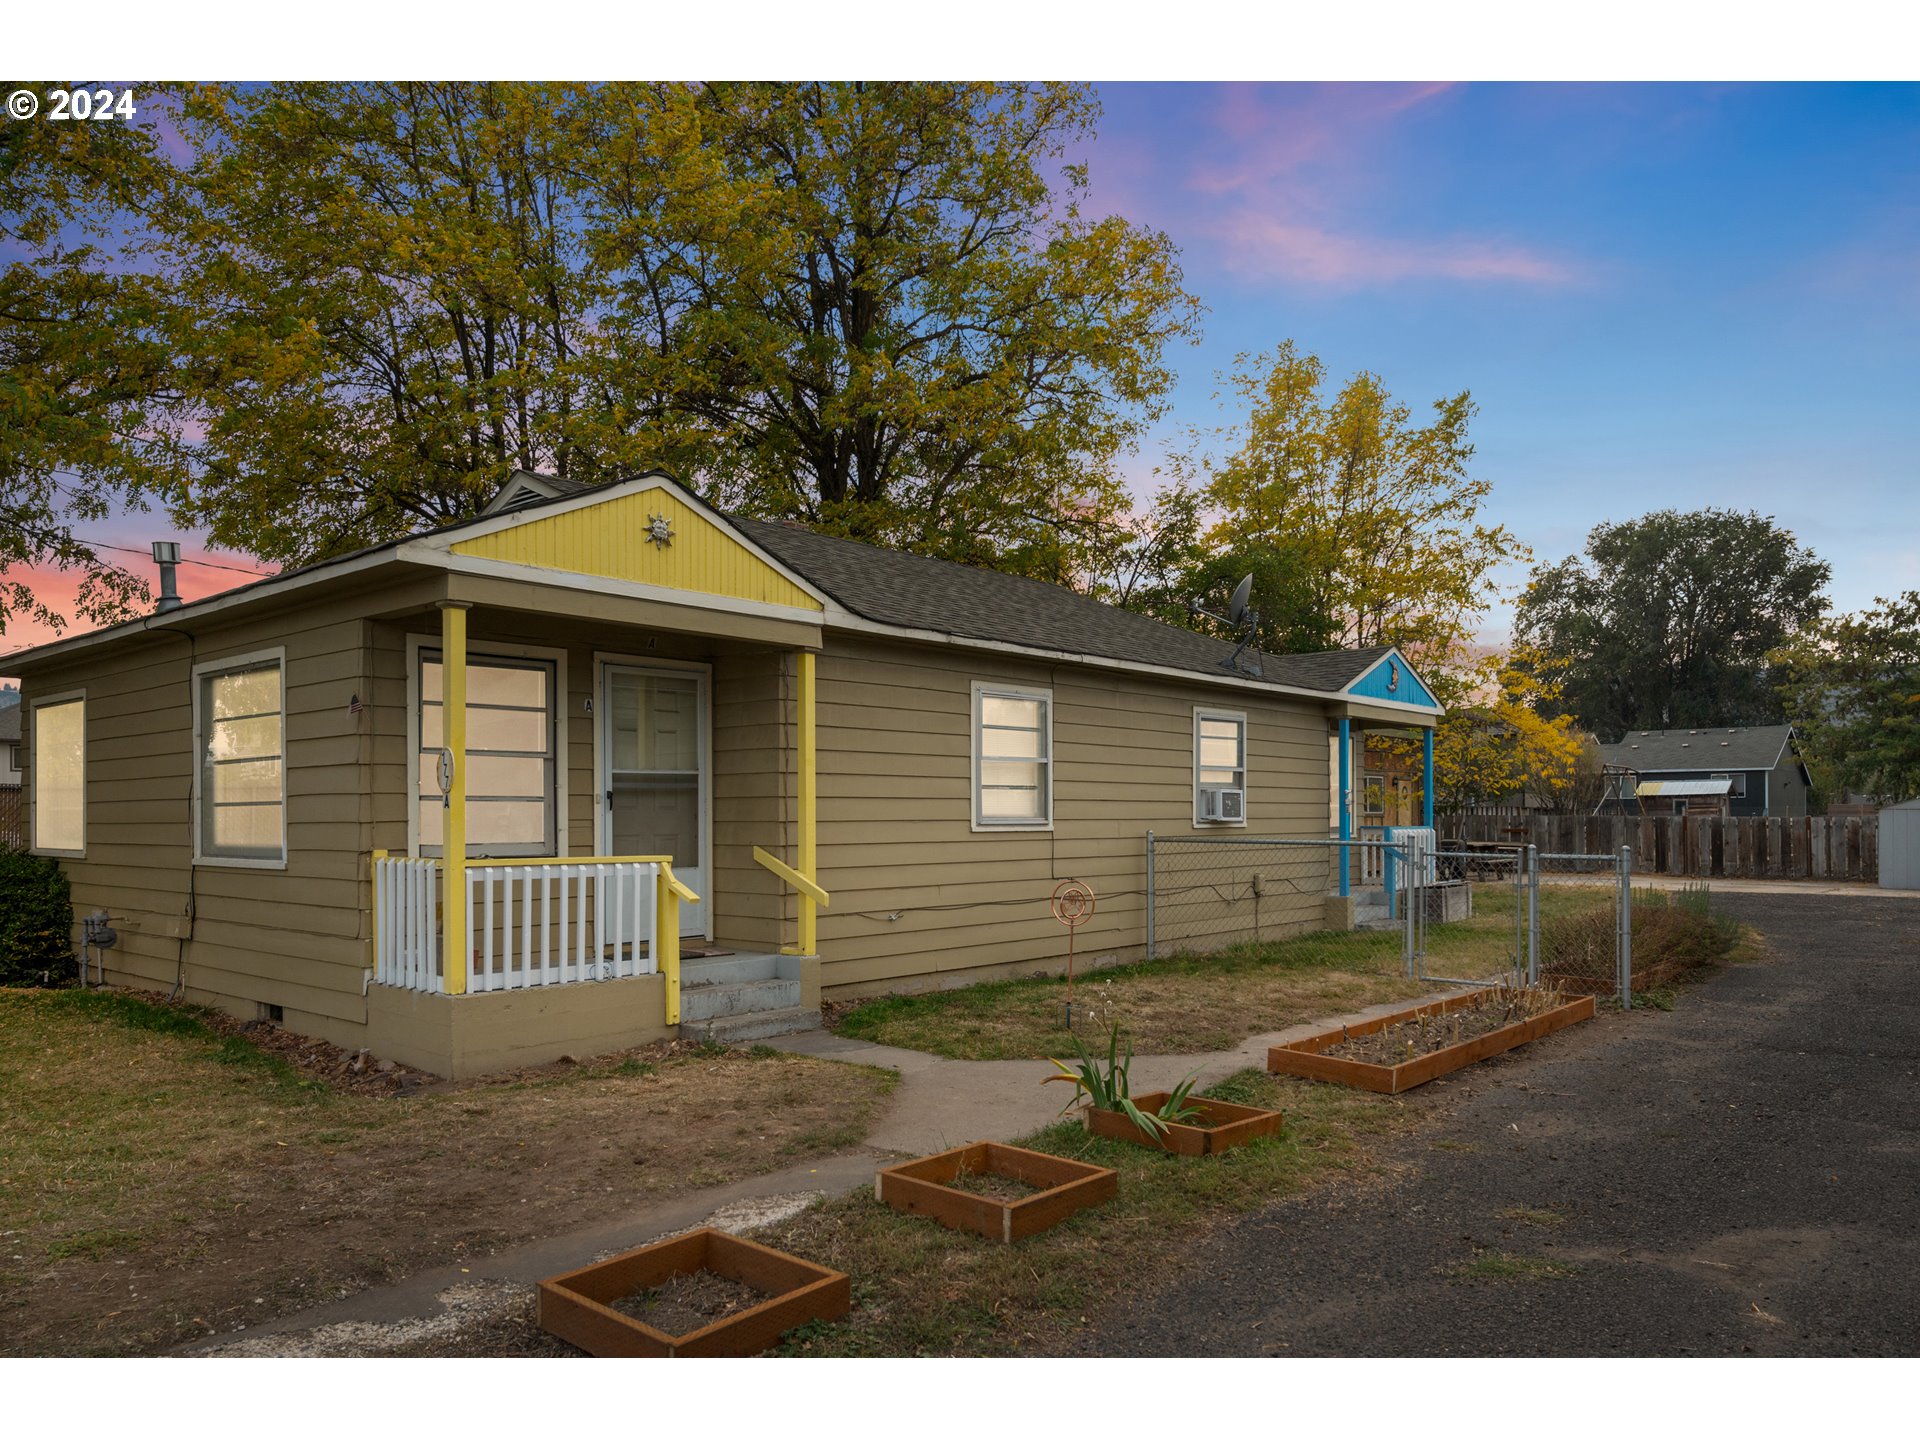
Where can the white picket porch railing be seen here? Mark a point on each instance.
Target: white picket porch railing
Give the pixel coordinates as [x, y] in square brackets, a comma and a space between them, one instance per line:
[406, 922]
[555, 922]
[529, 922]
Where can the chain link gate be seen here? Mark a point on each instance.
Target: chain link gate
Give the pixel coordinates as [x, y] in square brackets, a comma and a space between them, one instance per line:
[1580, 922]
[1467, 885]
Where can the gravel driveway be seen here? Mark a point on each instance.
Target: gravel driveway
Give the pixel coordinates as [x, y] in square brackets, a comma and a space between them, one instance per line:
[1738, 1176]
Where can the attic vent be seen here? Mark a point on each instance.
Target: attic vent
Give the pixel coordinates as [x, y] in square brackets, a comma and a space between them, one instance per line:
[1725, 743]
[1685, 743]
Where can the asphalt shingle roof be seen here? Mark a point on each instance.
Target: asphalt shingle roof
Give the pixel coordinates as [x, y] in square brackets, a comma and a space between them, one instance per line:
[1748, 747]
[919, 593]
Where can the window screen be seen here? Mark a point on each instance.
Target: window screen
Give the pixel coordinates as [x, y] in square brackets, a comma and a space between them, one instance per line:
[60, 776]
[1013, 744]
[242, 764]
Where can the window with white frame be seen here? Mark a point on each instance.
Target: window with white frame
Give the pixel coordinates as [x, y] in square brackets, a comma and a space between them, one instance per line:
[1219, 765]
[1736, 782]
[512, 766]
[1012, 756]
[59, 761]
[240, 792]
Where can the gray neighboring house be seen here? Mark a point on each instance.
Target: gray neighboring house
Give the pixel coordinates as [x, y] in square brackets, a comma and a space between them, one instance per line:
[1759, 764]
[10, 745]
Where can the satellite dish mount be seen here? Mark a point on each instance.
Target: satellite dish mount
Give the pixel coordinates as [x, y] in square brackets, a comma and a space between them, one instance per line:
[1241, 617]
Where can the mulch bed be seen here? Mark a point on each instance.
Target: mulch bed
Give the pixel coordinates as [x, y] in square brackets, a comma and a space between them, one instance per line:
[1411, 1039]
[688, 1302]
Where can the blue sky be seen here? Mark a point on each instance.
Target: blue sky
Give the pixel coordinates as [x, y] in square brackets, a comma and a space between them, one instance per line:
[1659, 295]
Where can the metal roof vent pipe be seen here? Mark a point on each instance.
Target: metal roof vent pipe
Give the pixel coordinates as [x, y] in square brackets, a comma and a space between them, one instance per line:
[166, 554]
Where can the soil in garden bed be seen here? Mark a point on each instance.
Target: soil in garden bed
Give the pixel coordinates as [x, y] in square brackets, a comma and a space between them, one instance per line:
[1410, 1039]
[688, 1302]
[1003, 1188]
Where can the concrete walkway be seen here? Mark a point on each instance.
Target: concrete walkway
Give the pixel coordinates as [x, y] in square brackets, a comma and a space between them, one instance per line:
[938, 1104]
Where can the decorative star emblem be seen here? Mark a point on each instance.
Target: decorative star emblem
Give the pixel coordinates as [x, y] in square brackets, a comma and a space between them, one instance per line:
[660, 529]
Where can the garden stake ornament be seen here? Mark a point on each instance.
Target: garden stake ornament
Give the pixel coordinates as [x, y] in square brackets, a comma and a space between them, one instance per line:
[1073, 902]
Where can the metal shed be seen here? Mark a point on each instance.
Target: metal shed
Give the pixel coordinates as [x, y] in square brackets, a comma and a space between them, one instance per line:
[1900, 846]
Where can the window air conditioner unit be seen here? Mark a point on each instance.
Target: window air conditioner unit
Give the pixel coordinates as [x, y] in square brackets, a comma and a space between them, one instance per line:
[1221, 804]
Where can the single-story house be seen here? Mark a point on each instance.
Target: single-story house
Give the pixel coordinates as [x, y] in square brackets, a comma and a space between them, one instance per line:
[600, 762]
[1736, 770]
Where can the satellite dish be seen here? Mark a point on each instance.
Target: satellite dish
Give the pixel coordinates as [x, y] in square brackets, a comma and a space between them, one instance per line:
[1237, 607]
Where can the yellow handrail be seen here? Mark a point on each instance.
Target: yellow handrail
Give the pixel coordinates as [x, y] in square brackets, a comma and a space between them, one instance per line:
[805, 884]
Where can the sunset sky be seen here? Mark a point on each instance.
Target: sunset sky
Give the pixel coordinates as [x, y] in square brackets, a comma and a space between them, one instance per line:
[1659, 295]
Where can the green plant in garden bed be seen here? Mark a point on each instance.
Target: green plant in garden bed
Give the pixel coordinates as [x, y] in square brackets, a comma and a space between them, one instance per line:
[1107, 1087]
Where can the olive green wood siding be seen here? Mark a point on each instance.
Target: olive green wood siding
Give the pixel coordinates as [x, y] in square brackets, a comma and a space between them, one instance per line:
[896, 807]
[229, 936]
[895, 802]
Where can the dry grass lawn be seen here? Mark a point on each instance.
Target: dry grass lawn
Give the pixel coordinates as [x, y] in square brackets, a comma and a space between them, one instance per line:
[159, 1183]
[1190, 1004]
[921, 1289]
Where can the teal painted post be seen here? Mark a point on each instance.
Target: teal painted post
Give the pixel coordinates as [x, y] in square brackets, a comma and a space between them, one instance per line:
[1346, 803]
[1426, 783]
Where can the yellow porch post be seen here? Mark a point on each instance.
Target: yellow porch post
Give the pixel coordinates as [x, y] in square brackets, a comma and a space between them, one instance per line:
[809, 939]
[453, 713]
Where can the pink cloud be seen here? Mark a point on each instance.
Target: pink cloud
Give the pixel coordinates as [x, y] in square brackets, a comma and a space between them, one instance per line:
[1280, 184]
[1263, 246]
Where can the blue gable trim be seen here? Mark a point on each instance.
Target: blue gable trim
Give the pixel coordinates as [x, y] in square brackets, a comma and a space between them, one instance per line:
[1379, 683]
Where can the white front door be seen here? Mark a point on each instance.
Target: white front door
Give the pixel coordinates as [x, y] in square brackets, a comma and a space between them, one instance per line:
[656, 756]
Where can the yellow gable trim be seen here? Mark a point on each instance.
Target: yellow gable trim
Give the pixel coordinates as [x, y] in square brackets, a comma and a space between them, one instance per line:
[614, 539]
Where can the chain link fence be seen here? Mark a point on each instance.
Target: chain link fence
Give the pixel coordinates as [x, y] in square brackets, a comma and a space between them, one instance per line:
[1209, 893]
[1461, 915]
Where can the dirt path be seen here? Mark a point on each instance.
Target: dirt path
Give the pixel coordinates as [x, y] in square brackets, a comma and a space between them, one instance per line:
[1736, 1176]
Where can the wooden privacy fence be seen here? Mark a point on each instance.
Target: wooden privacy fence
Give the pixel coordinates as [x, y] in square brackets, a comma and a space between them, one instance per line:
[1841, 847]
[13, 818]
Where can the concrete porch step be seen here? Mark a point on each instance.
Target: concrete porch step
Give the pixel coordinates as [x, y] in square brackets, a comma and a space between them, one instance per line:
[709, 1000]
[757, 1025]
[729, 969]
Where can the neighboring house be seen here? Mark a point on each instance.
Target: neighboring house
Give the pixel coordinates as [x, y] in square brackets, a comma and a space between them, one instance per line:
[10, 747]
[1739, 770]
[812, 765]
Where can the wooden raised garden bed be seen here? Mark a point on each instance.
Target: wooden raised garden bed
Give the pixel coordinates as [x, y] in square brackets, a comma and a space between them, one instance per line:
[1223, 1126]
[1305, 1058]
[927, 1186]
[579, 1305]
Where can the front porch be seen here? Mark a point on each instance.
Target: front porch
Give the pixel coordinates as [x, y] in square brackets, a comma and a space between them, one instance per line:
[1382, 822]
[599, 816]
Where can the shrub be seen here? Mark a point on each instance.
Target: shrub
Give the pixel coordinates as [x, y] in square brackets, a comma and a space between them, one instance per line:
[36, 920]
